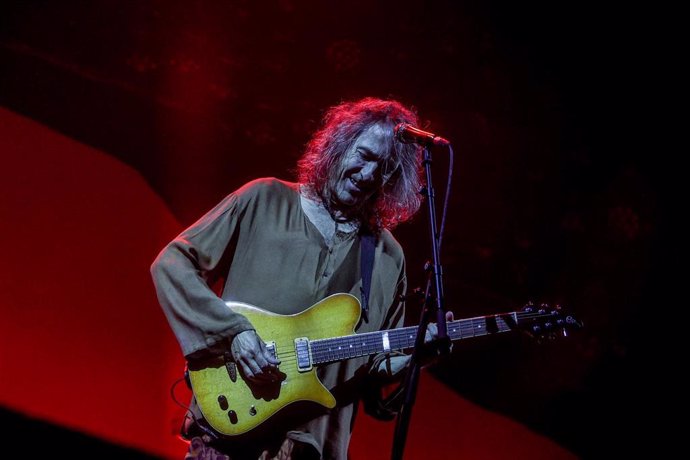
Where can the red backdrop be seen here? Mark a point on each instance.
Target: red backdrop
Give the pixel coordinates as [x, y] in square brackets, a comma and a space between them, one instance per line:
[83, 343]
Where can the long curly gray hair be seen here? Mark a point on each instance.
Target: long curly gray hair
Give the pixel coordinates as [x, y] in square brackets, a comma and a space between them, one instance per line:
[399, 198]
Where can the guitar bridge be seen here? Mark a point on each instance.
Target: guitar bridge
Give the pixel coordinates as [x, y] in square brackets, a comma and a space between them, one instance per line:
[271, 347]
[303, 352]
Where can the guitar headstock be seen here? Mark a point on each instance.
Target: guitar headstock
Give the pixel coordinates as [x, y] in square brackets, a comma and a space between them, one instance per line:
[544, 320]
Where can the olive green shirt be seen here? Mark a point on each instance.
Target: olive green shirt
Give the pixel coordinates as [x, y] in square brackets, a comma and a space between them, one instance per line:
[266, 252]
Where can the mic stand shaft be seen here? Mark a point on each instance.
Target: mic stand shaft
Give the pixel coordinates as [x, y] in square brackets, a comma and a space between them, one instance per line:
[435, 275]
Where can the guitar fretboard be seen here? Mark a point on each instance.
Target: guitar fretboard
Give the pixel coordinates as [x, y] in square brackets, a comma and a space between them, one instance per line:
[369, 343]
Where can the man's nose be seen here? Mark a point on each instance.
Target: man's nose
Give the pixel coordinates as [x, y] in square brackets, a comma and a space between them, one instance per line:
[368, 172]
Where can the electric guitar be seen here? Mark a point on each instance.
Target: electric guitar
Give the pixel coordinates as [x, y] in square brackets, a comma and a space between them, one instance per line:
[320, 335]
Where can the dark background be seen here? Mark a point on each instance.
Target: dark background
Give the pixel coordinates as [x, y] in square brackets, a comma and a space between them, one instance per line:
[558, 194]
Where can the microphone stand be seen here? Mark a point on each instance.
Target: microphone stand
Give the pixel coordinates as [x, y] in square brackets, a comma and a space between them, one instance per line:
[430, 306]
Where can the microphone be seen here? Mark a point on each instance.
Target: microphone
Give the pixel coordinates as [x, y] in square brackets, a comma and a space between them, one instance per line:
[408, 134]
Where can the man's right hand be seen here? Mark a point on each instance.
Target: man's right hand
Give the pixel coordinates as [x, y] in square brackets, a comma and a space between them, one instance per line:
[257, 364]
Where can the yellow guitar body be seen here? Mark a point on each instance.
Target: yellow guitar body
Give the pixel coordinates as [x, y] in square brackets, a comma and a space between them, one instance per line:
[233, 407]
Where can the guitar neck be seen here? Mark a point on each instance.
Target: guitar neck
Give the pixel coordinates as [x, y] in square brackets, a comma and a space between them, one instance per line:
[351, 346]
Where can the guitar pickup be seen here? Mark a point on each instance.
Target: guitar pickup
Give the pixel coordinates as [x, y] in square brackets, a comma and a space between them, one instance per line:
[303, 353]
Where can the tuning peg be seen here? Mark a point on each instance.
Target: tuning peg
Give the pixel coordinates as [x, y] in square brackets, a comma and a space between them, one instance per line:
[529, 307]
[572, 321]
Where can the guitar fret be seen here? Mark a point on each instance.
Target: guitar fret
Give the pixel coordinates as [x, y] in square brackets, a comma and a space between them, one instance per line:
[369, 343]
[339, 348]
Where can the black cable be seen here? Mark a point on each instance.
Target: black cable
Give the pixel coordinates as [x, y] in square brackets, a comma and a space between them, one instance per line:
[446, 198]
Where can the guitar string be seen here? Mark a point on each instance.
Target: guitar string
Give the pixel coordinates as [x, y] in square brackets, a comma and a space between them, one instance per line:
[463, 324]
[465, 327]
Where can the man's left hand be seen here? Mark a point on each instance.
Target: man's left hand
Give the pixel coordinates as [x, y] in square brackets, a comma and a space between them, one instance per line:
[430, 339]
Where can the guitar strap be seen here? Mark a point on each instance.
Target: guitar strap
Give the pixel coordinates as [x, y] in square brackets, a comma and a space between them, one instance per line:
[378, 405]
[368, 246]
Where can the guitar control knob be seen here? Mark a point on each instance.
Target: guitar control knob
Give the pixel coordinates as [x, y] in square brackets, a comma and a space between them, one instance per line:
[252, 411]
[223, 402]
[232, 415]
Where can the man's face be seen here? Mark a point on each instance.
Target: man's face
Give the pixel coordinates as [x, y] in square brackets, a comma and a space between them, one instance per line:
[362, 170]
